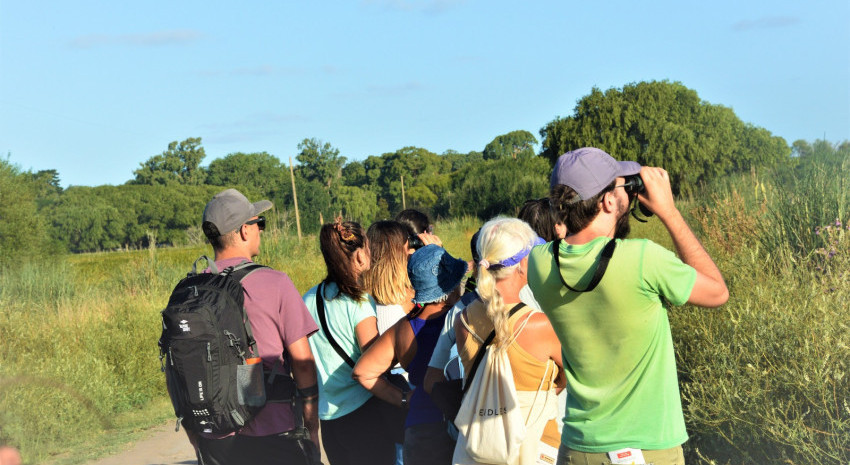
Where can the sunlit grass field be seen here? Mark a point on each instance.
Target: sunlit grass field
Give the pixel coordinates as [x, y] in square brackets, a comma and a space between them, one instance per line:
[764, 378]
[79, 365]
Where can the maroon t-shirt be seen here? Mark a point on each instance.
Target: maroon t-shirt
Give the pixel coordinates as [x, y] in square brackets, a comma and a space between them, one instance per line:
[278, 318]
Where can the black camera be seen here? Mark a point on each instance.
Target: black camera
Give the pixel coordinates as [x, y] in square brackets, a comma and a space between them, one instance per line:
[414, 242]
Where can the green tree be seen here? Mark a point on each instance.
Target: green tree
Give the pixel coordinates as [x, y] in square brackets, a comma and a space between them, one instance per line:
[46, 185]
[356, 204]
[320, 162]
[460, 160]
[260, 171]
[23, 229]
[313, 199]
[425, 173]
[801, 148]
[495, 187]
[180, 164]
[354, 174]
[664, 124]
[515, 144]
[107, 217]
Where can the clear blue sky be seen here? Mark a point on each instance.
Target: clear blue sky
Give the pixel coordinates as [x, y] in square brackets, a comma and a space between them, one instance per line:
[93, 88]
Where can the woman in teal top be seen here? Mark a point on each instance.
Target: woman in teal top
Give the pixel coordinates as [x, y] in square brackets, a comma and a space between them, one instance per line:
[351, 422]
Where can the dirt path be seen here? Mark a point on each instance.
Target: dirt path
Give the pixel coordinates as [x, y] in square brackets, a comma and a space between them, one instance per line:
[162, 446]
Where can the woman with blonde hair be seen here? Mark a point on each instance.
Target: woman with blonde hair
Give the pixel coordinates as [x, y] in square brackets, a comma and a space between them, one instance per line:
[436, 277]
[532, 347]
[387, 280]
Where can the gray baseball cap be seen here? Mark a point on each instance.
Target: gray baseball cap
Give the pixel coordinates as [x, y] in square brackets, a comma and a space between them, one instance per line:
[589, 171]
[229, 210]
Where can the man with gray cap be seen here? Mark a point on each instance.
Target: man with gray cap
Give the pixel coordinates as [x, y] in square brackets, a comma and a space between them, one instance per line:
[603, 294]
[281, 325]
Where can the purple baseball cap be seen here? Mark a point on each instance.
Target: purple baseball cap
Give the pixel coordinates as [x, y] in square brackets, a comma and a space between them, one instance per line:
[589, 171]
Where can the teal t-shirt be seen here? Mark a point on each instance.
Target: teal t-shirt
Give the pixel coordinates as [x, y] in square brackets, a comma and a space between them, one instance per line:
[339, 394]
[622, 387]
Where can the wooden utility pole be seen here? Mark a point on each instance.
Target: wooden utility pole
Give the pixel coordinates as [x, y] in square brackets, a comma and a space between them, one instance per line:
[403, 204]
[295, 199]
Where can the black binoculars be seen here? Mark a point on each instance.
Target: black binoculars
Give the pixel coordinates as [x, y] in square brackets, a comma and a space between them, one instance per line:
[414, 242]
[634, 185]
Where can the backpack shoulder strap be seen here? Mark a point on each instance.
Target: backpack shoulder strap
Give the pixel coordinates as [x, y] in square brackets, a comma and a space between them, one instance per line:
[242, 270]
[480, 355]
[320, 309]
[211, 264]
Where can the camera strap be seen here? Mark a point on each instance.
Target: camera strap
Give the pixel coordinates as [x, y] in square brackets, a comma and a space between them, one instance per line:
[604, 257]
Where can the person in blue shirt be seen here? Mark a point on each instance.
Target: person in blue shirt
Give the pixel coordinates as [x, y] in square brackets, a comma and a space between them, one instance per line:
[352, 425]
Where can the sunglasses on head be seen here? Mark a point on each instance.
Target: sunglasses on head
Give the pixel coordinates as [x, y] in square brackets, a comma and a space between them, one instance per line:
[260, 221]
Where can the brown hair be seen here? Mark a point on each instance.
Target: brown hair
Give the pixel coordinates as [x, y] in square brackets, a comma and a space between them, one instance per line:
[538, 213]
[387, 280]
[576, 214]
[338, 241]
[415, 219]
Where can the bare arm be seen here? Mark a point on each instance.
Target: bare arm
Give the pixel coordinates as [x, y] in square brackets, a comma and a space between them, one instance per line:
[366, 332]
[432, 377]
[461, 333]
[374, 362]
[710, 289]
[555, 354]
[304, 372]
[539, 339]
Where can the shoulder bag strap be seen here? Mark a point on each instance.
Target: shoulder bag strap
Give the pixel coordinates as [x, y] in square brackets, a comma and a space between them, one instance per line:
[320, 309]
[240, 272]
[606, 255]
[480, 355]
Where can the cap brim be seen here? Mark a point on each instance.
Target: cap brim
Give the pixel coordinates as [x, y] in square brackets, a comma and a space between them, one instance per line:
[261, 206]
[628, 168]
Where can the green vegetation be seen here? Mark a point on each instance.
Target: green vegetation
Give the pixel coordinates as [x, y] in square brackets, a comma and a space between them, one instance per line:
[764, 378]
[656, 123]
[665, 124]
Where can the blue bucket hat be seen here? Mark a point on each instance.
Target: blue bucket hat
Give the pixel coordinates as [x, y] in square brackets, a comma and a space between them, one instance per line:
[434, 273]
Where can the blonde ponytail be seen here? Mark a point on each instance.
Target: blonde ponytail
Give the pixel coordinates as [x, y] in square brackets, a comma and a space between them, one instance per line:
[499, 240]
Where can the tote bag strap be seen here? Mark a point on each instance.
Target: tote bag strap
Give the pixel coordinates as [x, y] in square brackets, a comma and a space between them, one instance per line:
[320, 307]
[480, 354]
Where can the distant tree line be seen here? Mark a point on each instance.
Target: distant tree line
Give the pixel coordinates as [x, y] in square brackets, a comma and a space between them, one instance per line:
[656, 123]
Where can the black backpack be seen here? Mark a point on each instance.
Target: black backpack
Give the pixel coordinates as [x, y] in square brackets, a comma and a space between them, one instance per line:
[208, 352]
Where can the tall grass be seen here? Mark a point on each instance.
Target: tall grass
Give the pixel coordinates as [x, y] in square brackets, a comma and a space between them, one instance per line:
[764, 378]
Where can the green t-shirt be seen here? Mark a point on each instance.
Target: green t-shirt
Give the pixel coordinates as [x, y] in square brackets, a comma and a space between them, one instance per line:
[339, 394]
[622, 389]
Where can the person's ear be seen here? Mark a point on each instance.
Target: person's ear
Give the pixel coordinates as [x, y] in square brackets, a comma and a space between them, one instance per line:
[609, 202]
[560, 230]
[243, 232]
[361, 259]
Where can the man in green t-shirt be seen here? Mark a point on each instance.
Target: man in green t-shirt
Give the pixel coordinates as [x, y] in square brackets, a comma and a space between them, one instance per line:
[603, 294]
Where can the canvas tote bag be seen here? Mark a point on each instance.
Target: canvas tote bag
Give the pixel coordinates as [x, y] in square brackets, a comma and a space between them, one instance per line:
[490, 422]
